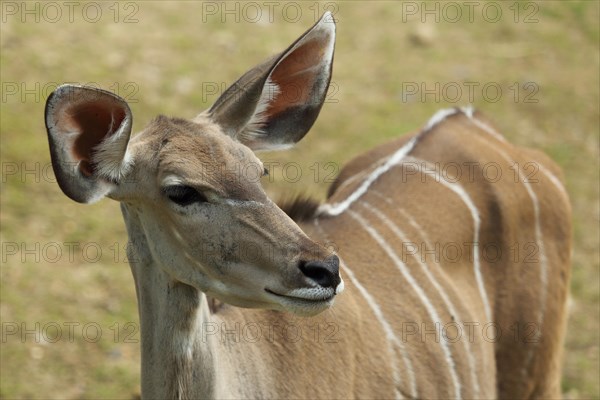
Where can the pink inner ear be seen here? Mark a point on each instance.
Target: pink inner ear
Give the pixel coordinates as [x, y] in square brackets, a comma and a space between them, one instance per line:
[93, 122]
[295, 76]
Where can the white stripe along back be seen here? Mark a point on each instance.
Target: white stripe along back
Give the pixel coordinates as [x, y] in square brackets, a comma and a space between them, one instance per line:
[338, 208]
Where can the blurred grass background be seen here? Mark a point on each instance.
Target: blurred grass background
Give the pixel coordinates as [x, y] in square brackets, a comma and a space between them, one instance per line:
[169, 57]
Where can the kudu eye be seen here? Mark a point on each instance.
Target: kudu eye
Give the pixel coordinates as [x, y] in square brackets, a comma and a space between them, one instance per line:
[183, 195]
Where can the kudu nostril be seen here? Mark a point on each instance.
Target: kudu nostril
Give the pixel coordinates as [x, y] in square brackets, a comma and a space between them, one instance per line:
[325, 273]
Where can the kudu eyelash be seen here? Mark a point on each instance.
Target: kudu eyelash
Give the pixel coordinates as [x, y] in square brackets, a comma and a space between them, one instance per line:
[184, 195]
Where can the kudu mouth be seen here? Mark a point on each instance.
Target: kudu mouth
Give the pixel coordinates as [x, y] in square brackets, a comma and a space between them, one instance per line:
[309, 296]
[304, 302]
[323, 284]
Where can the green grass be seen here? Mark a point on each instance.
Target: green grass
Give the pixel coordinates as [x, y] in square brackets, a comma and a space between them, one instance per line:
[171, 54]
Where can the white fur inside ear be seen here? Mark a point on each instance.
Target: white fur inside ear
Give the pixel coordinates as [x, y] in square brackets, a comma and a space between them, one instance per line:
[254, 127]
[111, 159]
[326, 29]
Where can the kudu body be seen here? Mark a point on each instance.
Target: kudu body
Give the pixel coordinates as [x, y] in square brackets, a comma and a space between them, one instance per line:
[427, 312]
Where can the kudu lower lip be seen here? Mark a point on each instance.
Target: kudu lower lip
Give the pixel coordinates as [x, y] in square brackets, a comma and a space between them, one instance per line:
[302, 306]
[308, 296]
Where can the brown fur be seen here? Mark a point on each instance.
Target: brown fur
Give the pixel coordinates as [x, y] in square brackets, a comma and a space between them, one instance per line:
[506, 220]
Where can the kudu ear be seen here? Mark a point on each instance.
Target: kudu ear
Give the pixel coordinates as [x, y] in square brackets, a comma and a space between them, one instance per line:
[274, 104]
[88, 130]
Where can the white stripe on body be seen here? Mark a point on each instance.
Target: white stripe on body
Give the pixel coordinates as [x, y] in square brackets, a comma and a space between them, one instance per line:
[397, 157]
[391, 337]
[413, 284]
[439, 116]
[433, 314]
[540, 245]
[468, 111]
[338, 208]
[428, 169]
[401, 155]
[440, 289]
[391, 161]
[555, 181]
[353, 178]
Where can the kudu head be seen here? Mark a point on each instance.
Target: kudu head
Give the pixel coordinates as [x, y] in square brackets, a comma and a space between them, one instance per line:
[190, 189]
